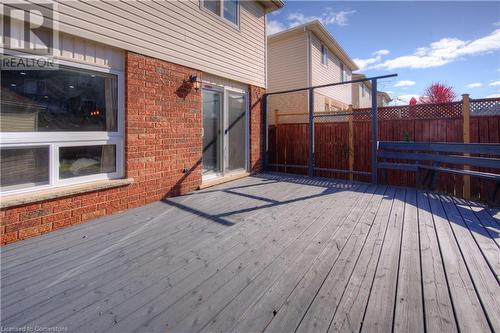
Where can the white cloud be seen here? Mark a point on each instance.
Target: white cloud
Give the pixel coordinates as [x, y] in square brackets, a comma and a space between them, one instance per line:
[493, 96]
[274, 26]
[497, 24]
[495, 83]
[437, 53]
[365, 63]
[340, 18]
[381, 52]
[405, 83]
[474, 85]
[276, 12]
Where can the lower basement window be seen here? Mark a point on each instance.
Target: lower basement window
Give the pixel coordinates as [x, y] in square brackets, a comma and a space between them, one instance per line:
[60, 127]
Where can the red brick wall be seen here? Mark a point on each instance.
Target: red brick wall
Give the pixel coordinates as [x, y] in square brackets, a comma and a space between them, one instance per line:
[162, 137]
[257, 129]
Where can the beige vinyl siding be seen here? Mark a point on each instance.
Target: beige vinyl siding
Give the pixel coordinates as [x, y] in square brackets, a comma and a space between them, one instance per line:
[287, 62]
[358, 100]
[176, 31]
[218, 81]
[330, 73]
[77, 49]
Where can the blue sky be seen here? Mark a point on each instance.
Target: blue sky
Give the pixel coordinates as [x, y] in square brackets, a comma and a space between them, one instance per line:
[457, 43]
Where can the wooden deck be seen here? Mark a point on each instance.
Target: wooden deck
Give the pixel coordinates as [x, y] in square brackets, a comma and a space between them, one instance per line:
[266, 253]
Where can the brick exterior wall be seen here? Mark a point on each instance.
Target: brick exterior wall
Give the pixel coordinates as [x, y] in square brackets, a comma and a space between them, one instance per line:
[163, 126]
[257, 128]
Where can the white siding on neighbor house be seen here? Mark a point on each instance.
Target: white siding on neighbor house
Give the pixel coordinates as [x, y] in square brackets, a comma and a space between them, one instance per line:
[287, 62]
[358, 100]
[330, 73]
[175, 31]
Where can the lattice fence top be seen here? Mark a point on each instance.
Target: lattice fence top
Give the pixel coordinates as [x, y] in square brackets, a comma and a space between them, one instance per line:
[485, 107]
[418, 111]
[478, 107]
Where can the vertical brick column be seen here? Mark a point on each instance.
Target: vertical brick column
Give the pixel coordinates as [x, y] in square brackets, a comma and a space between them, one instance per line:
[257, 128]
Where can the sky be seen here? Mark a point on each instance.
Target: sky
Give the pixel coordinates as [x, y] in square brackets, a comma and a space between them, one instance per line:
[456, 43]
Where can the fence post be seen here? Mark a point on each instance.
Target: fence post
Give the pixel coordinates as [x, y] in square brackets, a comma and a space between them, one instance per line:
[374, 133]
[311, 133]
[466, 130]
[351, 143]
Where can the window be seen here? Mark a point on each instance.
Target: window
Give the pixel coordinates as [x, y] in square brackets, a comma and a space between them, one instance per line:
[227, 9]
[59, 127]
[324, 55]
[363, 91]
[342, 73]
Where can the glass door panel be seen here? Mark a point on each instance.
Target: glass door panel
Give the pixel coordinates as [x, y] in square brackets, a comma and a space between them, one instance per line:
[236, 131]
[212, 136]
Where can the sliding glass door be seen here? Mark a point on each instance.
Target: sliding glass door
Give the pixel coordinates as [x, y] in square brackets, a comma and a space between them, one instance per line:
[236, 131]
[212, 133]
[224, 132]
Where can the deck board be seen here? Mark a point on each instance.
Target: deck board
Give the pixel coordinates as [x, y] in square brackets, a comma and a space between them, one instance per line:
[271, 252]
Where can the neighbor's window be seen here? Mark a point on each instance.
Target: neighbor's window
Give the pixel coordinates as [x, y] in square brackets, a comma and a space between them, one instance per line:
[228, 9]
[363, 90]
[324, 55]
[58, 127]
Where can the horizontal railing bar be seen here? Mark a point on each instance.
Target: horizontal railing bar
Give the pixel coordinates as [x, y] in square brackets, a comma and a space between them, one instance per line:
[451, 159]
[339, 114]
[344, 171]
[445, 147]
[288, 165]
[331, 84]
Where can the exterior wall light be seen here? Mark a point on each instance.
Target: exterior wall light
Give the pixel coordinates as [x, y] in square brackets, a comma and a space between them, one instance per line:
[193, 79]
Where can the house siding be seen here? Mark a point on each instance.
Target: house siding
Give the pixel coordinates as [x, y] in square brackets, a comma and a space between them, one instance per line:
[287, 62]
[358, 100]
[163, 125]
[175, 31]
[324, 74]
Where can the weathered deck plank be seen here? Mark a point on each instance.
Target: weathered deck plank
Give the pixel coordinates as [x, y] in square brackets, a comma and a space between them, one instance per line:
[409, 313]
[379, 313]
[469, 313]
[439, 313]
[265, 253]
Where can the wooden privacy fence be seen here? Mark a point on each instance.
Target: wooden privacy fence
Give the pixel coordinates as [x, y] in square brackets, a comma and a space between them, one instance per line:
[344, 142]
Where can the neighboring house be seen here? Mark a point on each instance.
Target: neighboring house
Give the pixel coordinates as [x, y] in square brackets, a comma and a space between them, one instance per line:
[151, 99]
[383, 98]
[361, 92]
[304, 56]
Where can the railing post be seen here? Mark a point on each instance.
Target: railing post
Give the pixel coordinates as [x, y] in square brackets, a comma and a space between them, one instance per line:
[374, 133]
[466, 129]
[310, 168]
[266, 128]
[351, 143]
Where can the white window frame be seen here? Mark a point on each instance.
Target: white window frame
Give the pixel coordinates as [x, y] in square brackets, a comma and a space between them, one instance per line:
[54, 140]
[220, 15]
[324, 55]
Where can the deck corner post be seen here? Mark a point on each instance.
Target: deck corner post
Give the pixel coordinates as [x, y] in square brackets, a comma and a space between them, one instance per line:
[374, 132]
[266, 134]
[310, 168]
[466, 137]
